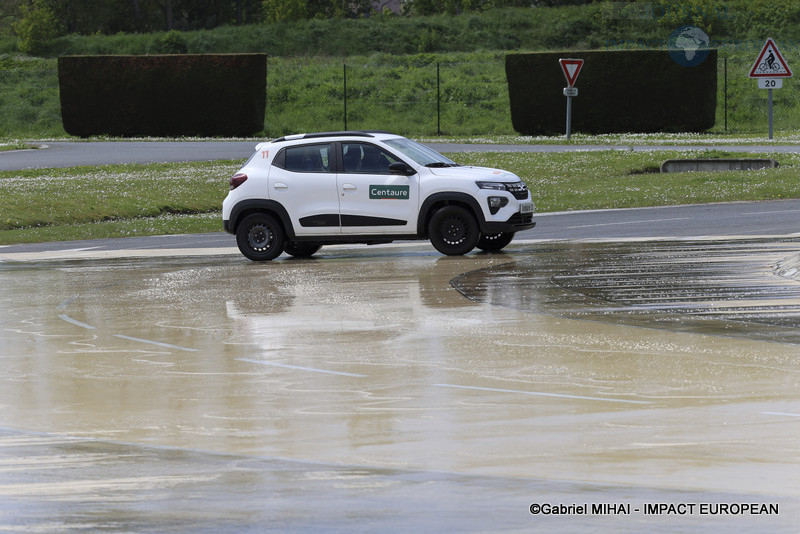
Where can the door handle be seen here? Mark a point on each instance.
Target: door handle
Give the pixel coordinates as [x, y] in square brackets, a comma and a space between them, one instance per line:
[349, 187]
[280, 185]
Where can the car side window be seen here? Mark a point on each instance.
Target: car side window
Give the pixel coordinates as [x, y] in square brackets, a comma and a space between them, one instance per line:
[305, 158]
[363, 158]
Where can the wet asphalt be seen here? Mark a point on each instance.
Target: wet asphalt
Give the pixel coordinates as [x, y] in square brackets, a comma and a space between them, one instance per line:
[630, 370]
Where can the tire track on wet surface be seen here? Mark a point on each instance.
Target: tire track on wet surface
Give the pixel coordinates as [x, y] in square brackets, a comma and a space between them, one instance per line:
[64, 304]
[731, 288]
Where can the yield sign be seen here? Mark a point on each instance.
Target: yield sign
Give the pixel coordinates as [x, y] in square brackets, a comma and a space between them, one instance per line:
[770, 63]
[571, 68]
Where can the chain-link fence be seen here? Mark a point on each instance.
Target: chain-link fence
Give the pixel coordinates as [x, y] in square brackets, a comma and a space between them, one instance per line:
[743, 107]
[29, 102]
[410, 96]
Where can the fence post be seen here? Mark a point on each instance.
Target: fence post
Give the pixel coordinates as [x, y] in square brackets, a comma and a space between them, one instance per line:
[344, 69]
[438, 103]
[266, 97]
[726, 93]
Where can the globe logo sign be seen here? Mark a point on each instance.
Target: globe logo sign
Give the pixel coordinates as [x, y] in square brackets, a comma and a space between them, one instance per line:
[688, 46]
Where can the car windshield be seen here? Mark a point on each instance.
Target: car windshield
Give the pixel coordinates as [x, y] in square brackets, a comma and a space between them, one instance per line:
[420, 153]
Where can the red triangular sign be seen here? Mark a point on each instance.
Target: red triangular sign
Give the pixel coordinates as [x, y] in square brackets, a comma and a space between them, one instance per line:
[571, 68]
[770, 63]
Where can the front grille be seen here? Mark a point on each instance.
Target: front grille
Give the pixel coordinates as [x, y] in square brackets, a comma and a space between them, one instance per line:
[519, 190]
[521, 218]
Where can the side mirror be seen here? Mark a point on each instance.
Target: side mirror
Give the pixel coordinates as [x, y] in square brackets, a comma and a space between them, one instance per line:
[402, 169]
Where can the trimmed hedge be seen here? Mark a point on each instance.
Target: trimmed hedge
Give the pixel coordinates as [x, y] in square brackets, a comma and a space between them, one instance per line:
[163, 95]
[618, 91]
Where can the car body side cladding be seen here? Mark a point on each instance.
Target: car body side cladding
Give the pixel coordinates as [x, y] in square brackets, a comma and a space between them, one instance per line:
[437, 200]
[246, 207]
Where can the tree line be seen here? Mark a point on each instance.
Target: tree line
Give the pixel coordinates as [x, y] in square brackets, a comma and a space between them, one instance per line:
[86, 17]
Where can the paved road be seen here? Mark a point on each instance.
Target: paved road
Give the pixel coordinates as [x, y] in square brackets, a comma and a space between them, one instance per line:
[729, 220]
[74, 153]
[774, 218]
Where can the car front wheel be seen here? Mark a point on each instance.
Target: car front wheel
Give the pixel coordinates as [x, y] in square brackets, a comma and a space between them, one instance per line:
[260, 237]
[301, 250]
[453, 231]
[495, 242]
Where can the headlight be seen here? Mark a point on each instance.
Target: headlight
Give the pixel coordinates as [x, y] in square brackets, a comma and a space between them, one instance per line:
[496, 186]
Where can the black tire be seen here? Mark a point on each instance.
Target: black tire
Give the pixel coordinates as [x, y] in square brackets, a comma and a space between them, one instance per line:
[495, 242]
[298, 249]
[453, 230]
[260, 237]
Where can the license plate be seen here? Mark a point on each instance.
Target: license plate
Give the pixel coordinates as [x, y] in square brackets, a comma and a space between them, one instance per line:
[527, 207]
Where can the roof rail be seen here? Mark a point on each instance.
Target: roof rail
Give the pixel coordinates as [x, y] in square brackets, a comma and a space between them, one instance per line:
[352, 133]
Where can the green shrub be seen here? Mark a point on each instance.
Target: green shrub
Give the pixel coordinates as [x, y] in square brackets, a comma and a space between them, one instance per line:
[174, 95]
[172, 42]
[37, 26]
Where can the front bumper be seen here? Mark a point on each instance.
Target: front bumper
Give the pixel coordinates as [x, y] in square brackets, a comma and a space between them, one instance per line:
[516, 223]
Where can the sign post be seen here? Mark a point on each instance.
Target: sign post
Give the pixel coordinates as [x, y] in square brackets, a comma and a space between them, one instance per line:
[770, 69]
[571, 68]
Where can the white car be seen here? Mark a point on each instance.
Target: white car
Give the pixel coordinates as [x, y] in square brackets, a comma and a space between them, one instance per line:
[300, 192]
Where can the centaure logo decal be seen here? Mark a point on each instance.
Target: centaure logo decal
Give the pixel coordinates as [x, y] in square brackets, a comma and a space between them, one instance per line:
[396, 192]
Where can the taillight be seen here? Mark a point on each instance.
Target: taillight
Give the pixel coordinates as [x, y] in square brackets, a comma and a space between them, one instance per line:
[237, 180]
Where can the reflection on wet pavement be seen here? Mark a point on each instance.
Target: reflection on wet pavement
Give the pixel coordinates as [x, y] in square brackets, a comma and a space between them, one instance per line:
[216, 394]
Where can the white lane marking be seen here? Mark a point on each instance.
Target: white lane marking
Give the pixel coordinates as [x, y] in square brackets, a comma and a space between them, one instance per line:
[67, 318]
[542, 394]
[782, 413]
[159, 343]
[767, 212]
[299, 368]
[79, 249]
[629, 223]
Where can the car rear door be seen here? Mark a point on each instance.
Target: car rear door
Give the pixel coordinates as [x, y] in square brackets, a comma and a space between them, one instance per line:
[302, 179]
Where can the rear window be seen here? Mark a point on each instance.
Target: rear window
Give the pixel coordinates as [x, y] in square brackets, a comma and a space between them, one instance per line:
[305, 158]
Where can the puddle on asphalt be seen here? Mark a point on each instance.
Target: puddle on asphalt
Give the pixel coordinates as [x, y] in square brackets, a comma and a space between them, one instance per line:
[373, 357]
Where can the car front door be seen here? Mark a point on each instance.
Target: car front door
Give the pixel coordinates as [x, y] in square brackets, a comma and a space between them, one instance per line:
[371, 199]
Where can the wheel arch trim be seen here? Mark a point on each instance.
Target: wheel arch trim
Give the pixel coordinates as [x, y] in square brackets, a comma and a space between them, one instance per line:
[271, 207]
[438, 200]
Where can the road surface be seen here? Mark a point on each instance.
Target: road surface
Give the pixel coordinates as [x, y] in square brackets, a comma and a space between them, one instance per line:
[76, 153]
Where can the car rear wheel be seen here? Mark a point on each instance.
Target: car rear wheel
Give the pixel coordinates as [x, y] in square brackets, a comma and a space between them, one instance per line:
[260, 237]
[453, 230]
[495, 242]
[298, 249]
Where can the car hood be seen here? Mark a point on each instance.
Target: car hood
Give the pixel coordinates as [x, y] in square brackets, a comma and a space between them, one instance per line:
[476, 173]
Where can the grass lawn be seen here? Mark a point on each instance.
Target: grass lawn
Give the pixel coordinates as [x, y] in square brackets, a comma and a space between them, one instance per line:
[626, 179]
[112, 201]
